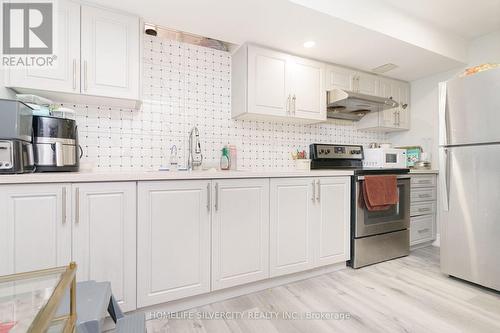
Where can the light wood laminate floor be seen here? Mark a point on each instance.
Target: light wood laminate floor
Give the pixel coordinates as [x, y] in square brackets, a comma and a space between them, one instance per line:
[403, 295]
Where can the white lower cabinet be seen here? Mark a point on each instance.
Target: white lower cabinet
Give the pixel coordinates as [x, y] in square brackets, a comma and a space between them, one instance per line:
[35, 227]
[104, 237]
[333, 201]
[240, 232]
[159, 241]
[291, 228]
[173, 240]
[309, 224]
[423, 209]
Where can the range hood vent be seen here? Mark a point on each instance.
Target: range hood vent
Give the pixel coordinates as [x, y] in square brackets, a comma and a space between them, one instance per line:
[350, 105]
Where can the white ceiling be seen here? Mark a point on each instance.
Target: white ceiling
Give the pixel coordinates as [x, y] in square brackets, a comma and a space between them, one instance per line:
[285, 25]
[467, 18]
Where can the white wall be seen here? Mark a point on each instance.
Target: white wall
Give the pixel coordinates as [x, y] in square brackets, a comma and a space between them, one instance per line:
[4, 92]
[485, 49]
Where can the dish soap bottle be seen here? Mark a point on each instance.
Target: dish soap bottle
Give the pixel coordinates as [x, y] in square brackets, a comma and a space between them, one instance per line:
[173, 158]
[225, 160]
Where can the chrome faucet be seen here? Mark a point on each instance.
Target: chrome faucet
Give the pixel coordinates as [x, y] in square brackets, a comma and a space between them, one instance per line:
[195, 157]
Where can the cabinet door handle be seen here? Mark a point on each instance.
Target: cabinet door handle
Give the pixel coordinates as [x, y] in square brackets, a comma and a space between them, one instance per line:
[395, 123]
[313, 198]
[74, 74]
[294, 99]
[288, 104]
[209, 196]
[216, 196]
[399, 118]
[63, 205]
[421, 231]
[355, 84]
[85, 78]
[77, 205]
[318, 191]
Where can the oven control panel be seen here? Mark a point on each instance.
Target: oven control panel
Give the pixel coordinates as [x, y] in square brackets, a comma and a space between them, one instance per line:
[328, 151]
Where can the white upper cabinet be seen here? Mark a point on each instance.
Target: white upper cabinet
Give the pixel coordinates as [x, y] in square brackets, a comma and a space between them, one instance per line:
[104, 237]
[35, 227]
[268, 82]
[110, 53]
[268, 85]
[351, 80]
[367, 84]
[404, 107]
[173, 240]
[388, 118]
[240, 232]
[391, 120]
[98, 55]
[65, 75]
[339, 78]
[308, 96]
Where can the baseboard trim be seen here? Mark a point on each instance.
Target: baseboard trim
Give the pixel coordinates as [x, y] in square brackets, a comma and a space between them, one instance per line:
[437, 242]
[224, 294]
[421, 245]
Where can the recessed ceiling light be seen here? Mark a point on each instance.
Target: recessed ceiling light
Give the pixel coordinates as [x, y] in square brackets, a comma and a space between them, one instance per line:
[309, 44]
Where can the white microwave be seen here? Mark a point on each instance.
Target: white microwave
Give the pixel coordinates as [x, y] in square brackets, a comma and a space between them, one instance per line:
[384, 158]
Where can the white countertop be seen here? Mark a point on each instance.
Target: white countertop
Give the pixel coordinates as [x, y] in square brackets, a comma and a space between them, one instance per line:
[82, 177]
[416, 171]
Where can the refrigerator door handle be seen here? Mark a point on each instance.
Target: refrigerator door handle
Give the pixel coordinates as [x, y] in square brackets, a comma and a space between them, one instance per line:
[443, 125]
[444, 177]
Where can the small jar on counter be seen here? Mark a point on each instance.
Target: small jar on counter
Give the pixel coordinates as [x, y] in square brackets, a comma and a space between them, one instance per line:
[233, 156]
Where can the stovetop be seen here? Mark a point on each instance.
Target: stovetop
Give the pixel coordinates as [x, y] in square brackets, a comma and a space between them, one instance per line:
[347, 157]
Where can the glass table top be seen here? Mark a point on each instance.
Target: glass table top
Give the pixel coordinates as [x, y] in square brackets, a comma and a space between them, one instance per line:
[22, 300]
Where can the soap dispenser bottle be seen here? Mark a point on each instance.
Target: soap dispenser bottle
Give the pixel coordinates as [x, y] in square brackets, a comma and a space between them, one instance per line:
[225, 160]
[174, 164]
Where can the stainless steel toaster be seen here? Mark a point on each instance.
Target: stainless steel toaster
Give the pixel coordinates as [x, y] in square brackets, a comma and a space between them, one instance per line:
[16, 128]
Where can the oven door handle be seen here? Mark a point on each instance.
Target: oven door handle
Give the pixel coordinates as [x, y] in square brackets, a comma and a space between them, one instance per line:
[398, 177]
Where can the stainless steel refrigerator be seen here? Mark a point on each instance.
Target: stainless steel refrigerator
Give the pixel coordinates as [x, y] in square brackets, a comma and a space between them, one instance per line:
[469, 154]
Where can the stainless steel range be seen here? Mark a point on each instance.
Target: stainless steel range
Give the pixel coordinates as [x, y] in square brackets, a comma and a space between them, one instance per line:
[376, 236]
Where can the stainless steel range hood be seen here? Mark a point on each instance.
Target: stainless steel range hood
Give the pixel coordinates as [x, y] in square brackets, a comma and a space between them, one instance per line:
[350, 105]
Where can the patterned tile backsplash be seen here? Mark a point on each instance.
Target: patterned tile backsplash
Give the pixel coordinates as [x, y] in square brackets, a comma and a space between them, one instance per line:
[184, 86]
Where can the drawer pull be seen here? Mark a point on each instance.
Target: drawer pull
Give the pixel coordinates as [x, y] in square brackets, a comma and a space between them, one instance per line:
[424, 195]
[423, 230]
[424, 209]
